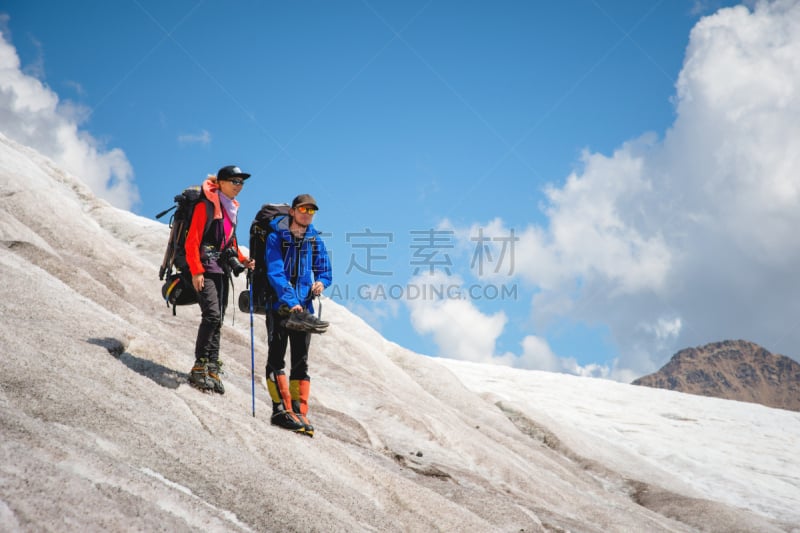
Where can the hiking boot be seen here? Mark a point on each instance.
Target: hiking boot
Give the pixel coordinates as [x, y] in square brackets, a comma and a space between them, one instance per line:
[296, 322]
[304, 321]
[317, 320]
[282, 415]
[285, 419]
[198, 376]
[308, 429]
[320, 326]
[214, 370]
[301, 390]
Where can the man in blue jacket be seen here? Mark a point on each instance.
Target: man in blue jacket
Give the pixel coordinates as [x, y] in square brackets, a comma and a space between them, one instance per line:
[298, 269]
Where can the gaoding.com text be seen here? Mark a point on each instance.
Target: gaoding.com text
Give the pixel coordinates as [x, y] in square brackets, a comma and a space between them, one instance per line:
[423, 291]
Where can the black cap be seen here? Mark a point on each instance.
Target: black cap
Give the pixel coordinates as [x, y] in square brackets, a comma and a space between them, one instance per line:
[230, 172]
[304, 199]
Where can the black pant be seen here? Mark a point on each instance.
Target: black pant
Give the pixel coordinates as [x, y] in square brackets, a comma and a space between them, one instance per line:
[279, 336]
[213, 300]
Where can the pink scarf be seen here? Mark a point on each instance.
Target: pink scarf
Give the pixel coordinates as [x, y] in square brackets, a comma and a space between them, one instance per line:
[230, 210]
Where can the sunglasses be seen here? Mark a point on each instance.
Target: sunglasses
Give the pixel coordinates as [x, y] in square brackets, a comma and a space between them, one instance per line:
[307, 210]
[237, 181]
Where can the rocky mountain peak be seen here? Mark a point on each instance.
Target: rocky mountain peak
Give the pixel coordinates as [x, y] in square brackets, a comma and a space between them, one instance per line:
[733, 370]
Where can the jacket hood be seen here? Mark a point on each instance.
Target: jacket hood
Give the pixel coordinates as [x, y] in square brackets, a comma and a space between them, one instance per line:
[281, 225]
[211, 191]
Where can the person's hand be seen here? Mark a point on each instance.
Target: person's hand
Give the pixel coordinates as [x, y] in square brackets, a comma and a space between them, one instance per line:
[296, 308]
[250, 263]
[198, 280]
[317, 288]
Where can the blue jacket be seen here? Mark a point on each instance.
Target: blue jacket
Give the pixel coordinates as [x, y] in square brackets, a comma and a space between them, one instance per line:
[288, 258]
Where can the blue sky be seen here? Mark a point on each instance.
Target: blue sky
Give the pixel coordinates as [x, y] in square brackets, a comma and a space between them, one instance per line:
[578, 128]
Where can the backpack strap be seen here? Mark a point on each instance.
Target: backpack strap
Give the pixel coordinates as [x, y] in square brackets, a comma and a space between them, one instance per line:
[208, 237]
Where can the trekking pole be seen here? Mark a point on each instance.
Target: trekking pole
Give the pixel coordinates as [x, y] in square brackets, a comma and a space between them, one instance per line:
[252, 345]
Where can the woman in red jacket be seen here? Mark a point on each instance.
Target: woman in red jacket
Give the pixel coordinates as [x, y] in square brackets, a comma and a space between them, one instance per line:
[212, 254]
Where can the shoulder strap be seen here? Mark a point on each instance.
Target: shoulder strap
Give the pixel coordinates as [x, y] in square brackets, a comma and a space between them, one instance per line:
[207, 235]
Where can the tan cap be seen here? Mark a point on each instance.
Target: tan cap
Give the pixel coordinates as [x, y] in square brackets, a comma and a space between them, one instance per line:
[304, 199]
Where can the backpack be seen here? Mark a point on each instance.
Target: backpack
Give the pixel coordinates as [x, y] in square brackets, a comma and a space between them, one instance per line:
[263, 293]
[177, 288]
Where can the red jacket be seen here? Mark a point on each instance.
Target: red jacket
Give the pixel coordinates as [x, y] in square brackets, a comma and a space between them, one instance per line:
[197, 228]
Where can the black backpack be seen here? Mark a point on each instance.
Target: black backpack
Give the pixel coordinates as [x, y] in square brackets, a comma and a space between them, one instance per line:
[177, 288]
[263, 293]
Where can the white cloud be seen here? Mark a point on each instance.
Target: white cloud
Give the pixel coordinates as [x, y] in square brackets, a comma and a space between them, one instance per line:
[75, 86]
[461, 331]
[692, 237]
[36, 67]
[536, 354]
[203, 137]
[597, 231]
[491, 249]
[664, 328]
[31, 114]
[459, 328]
